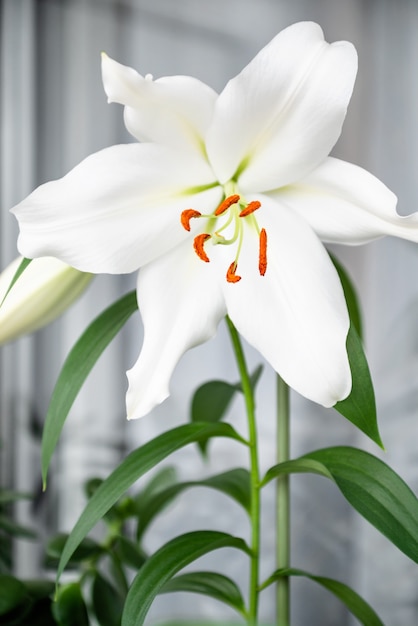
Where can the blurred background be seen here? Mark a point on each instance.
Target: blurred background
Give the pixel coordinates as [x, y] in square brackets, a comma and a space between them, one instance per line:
[53, 114]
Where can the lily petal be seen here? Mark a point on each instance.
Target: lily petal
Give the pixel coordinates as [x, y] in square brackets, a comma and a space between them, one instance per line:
[280, 117]
[117, 210]
[180, 309]
[346, 204]
[173, 110]
[295, 315]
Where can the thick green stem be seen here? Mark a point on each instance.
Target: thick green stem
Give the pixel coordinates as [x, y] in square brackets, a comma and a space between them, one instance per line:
[254, 474]
[283, 503]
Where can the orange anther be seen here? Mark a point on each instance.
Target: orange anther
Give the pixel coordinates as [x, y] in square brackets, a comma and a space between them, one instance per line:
[198, 246]
[225, 204]
[186, 216]
[250, 208]
[262, 258]
[231, 276]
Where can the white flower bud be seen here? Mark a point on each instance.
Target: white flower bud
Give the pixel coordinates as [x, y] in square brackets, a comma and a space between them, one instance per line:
[42, 293]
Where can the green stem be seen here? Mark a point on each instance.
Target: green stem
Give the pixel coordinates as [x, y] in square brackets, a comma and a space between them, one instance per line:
[283, 503]
[254, 474]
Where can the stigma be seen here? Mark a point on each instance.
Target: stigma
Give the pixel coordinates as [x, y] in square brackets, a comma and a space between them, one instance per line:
[233, 210]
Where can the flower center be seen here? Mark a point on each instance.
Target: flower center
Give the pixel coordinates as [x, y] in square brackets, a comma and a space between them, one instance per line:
[232, 211]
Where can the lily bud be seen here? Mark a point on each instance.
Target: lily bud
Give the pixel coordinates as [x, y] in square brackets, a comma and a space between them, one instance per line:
[42, 293]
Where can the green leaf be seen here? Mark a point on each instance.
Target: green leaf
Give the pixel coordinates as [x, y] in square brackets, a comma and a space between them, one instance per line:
[77, 367]
[117, 514]
[165, 477]
[129, 552]
[12, 594]
[6, 559]
[38, 609]
[351, 297]
[234, 483]
[38, 589]
[360, 406]
[210, 584]
[183, 622]
[23, 265]
[91, 485]
[254, 378]
[210, 404]
[371, 487]
[211, 401]
[165, 563]
[88, 549]
[355, 603]
[107, 603]
[69, 608]
[13, 529]
[133, 467]
[296, 466]
[376, 492]
[6, 496]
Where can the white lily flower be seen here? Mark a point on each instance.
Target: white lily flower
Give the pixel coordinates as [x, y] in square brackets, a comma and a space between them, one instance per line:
[222, 205]
[42, 293]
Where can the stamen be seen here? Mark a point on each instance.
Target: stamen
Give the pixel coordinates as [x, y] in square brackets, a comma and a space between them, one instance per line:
[186, 216]
[225, 204]
[250, 208]
[237, 237]
[231, 276]
[262, 258]
[198, 246]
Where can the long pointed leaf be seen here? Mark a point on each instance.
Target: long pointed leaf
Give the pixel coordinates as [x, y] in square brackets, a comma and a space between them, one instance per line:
[133, 467]
[211, 584]
[296, 466]
[162, 479]
[355, 603]
[350, 294]
[23, 265]
[360, 406]
[211, 401]
[234, 483]
[12, 594]
[370, 486]
[165, 563]
[107, 602]
[376, 492]
[69, 608]
[77, 367]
